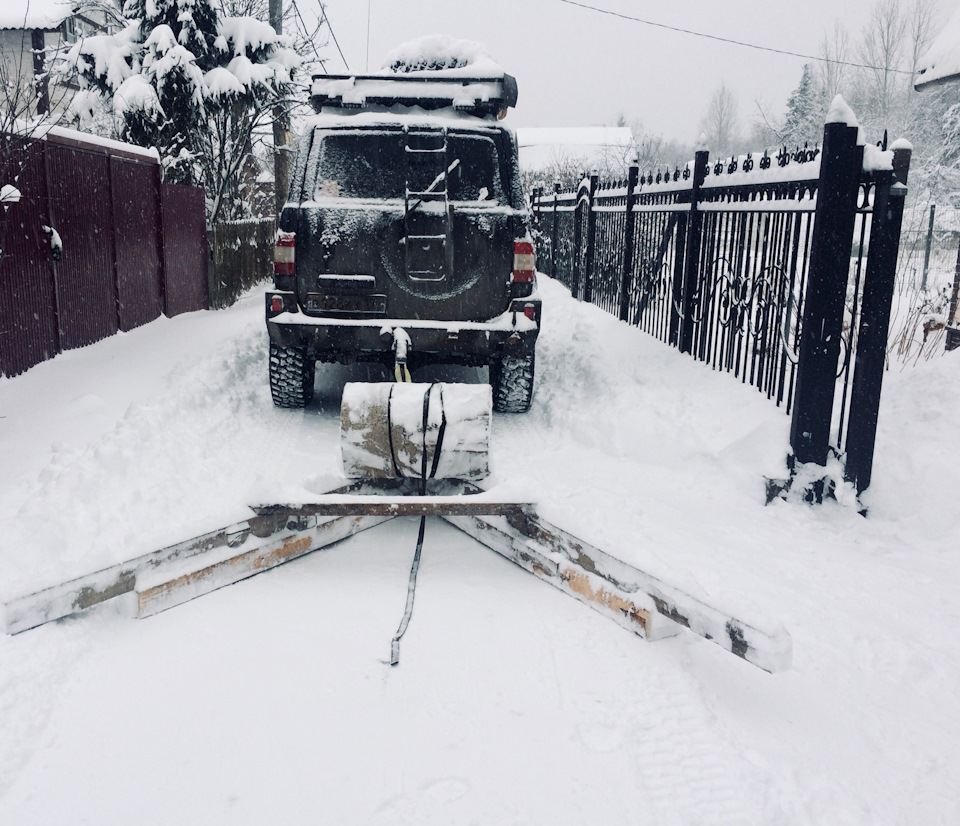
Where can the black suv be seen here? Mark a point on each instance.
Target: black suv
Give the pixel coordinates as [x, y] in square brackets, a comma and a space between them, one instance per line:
[405, 236]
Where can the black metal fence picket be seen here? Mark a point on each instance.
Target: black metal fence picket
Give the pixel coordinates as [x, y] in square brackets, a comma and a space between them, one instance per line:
[776, 268]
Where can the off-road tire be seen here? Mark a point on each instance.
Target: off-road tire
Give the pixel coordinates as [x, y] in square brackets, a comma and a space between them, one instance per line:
[291, 376]
[511, 380]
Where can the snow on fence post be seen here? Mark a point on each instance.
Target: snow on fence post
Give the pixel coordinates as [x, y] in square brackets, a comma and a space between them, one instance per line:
[626, 272]
[688, 290]
[840, 166]
[535, 197]
[875, 307]
[953, 319]
[588, 257]
[584, 206]
[553, 232]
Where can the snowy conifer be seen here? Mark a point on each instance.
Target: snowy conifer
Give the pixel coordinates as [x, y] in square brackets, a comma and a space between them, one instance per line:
[805, 113]
[190, 81]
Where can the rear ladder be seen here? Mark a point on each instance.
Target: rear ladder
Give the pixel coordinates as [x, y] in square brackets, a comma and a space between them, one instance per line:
[427, 215]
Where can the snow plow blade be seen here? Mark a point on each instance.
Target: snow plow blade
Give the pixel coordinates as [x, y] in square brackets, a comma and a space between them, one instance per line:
[634, 599]
[266, 535]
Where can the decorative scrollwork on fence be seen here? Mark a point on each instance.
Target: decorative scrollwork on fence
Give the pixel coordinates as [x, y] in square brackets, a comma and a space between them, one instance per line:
[650, 288]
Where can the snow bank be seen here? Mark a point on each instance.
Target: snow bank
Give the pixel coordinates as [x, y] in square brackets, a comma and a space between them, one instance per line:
[513, 702]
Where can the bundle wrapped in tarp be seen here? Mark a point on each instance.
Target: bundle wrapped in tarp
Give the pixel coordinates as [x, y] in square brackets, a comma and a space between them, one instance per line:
[440, 431]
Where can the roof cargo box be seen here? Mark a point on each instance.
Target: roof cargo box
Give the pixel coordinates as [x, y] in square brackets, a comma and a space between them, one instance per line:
[482, 95]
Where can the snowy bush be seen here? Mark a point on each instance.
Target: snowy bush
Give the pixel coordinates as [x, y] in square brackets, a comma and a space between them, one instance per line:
[192, 82]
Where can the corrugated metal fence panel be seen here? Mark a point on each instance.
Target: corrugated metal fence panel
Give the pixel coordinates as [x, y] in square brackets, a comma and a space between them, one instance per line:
[118, 269]
[28, 318]
[136, 213]
[78, 183]
[185, 285]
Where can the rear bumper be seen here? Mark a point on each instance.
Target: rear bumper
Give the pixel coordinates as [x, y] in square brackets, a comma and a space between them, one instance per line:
[371, 339]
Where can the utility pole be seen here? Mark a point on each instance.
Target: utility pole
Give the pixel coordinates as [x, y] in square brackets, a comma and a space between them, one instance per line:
[281, 128]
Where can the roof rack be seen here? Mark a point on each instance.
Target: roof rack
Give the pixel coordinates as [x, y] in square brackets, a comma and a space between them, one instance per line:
[481, 96]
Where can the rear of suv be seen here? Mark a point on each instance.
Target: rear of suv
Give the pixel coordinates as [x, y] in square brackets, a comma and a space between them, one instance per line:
[404, 239]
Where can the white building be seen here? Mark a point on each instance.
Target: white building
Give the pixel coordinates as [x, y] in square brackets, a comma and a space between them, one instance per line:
[32, 32]
[941, 63]
[587, 148]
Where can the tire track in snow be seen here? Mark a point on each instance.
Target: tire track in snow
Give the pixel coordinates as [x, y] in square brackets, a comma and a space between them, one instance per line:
[658, 743]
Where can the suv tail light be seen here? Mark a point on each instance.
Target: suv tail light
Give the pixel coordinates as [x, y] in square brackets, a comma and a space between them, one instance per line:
[524, 265]
[284, 253]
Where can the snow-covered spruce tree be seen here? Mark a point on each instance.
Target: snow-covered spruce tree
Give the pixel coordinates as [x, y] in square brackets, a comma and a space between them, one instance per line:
[806, 111]
[191, 82]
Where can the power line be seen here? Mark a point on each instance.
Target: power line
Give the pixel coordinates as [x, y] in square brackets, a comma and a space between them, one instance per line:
[733, 42]
[323, 12]
[307, 34]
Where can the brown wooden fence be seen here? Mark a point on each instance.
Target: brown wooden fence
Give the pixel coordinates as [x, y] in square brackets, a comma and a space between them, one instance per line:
[241, 255]
[96, 244]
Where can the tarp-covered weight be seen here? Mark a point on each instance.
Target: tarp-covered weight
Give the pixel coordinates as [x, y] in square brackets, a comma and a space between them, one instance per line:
[382, 431]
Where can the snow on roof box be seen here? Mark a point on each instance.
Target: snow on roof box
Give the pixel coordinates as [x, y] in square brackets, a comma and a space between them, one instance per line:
[439, 51]
[479, 96]
[434, 72]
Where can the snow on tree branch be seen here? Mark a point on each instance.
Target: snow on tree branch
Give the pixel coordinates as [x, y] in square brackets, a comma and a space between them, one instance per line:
[180, 72]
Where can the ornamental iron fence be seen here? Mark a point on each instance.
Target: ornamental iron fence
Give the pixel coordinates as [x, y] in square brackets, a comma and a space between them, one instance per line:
[776, 268]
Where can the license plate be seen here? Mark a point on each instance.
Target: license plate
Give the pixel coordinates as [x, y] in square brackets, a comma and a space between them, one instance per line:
[360, 304]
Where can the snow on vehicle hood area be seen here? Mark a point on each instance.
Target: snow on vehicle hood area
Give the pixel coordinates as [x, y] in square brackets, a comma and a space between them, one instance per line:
[270, 701]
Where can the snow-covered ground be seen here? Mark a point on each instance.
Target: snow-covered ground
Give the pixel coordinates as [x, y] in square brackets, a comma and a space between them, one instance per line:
[270, 701]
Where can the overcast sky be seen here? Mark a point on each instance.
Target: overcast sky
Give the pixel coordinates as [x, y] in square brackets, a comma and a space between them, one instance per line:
[576, 67]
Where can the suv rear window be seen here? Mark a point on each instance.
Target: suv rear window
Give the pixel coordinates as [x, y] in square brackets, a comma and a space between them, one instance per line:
[372, 165]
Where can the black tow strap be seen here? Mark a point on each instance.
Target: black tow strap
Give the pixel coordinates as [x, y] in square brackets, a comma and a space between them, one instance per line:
[412, 581]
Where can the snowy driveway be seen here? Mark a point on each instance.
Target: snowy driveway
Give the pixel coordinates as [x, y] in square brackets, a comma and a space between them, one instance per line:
[269, 701]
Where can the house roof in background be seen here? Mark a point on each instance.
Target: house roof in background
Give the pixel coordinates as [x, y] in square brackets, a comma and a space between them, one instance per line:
[941, 63]
[541, 147]
[34, 14]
